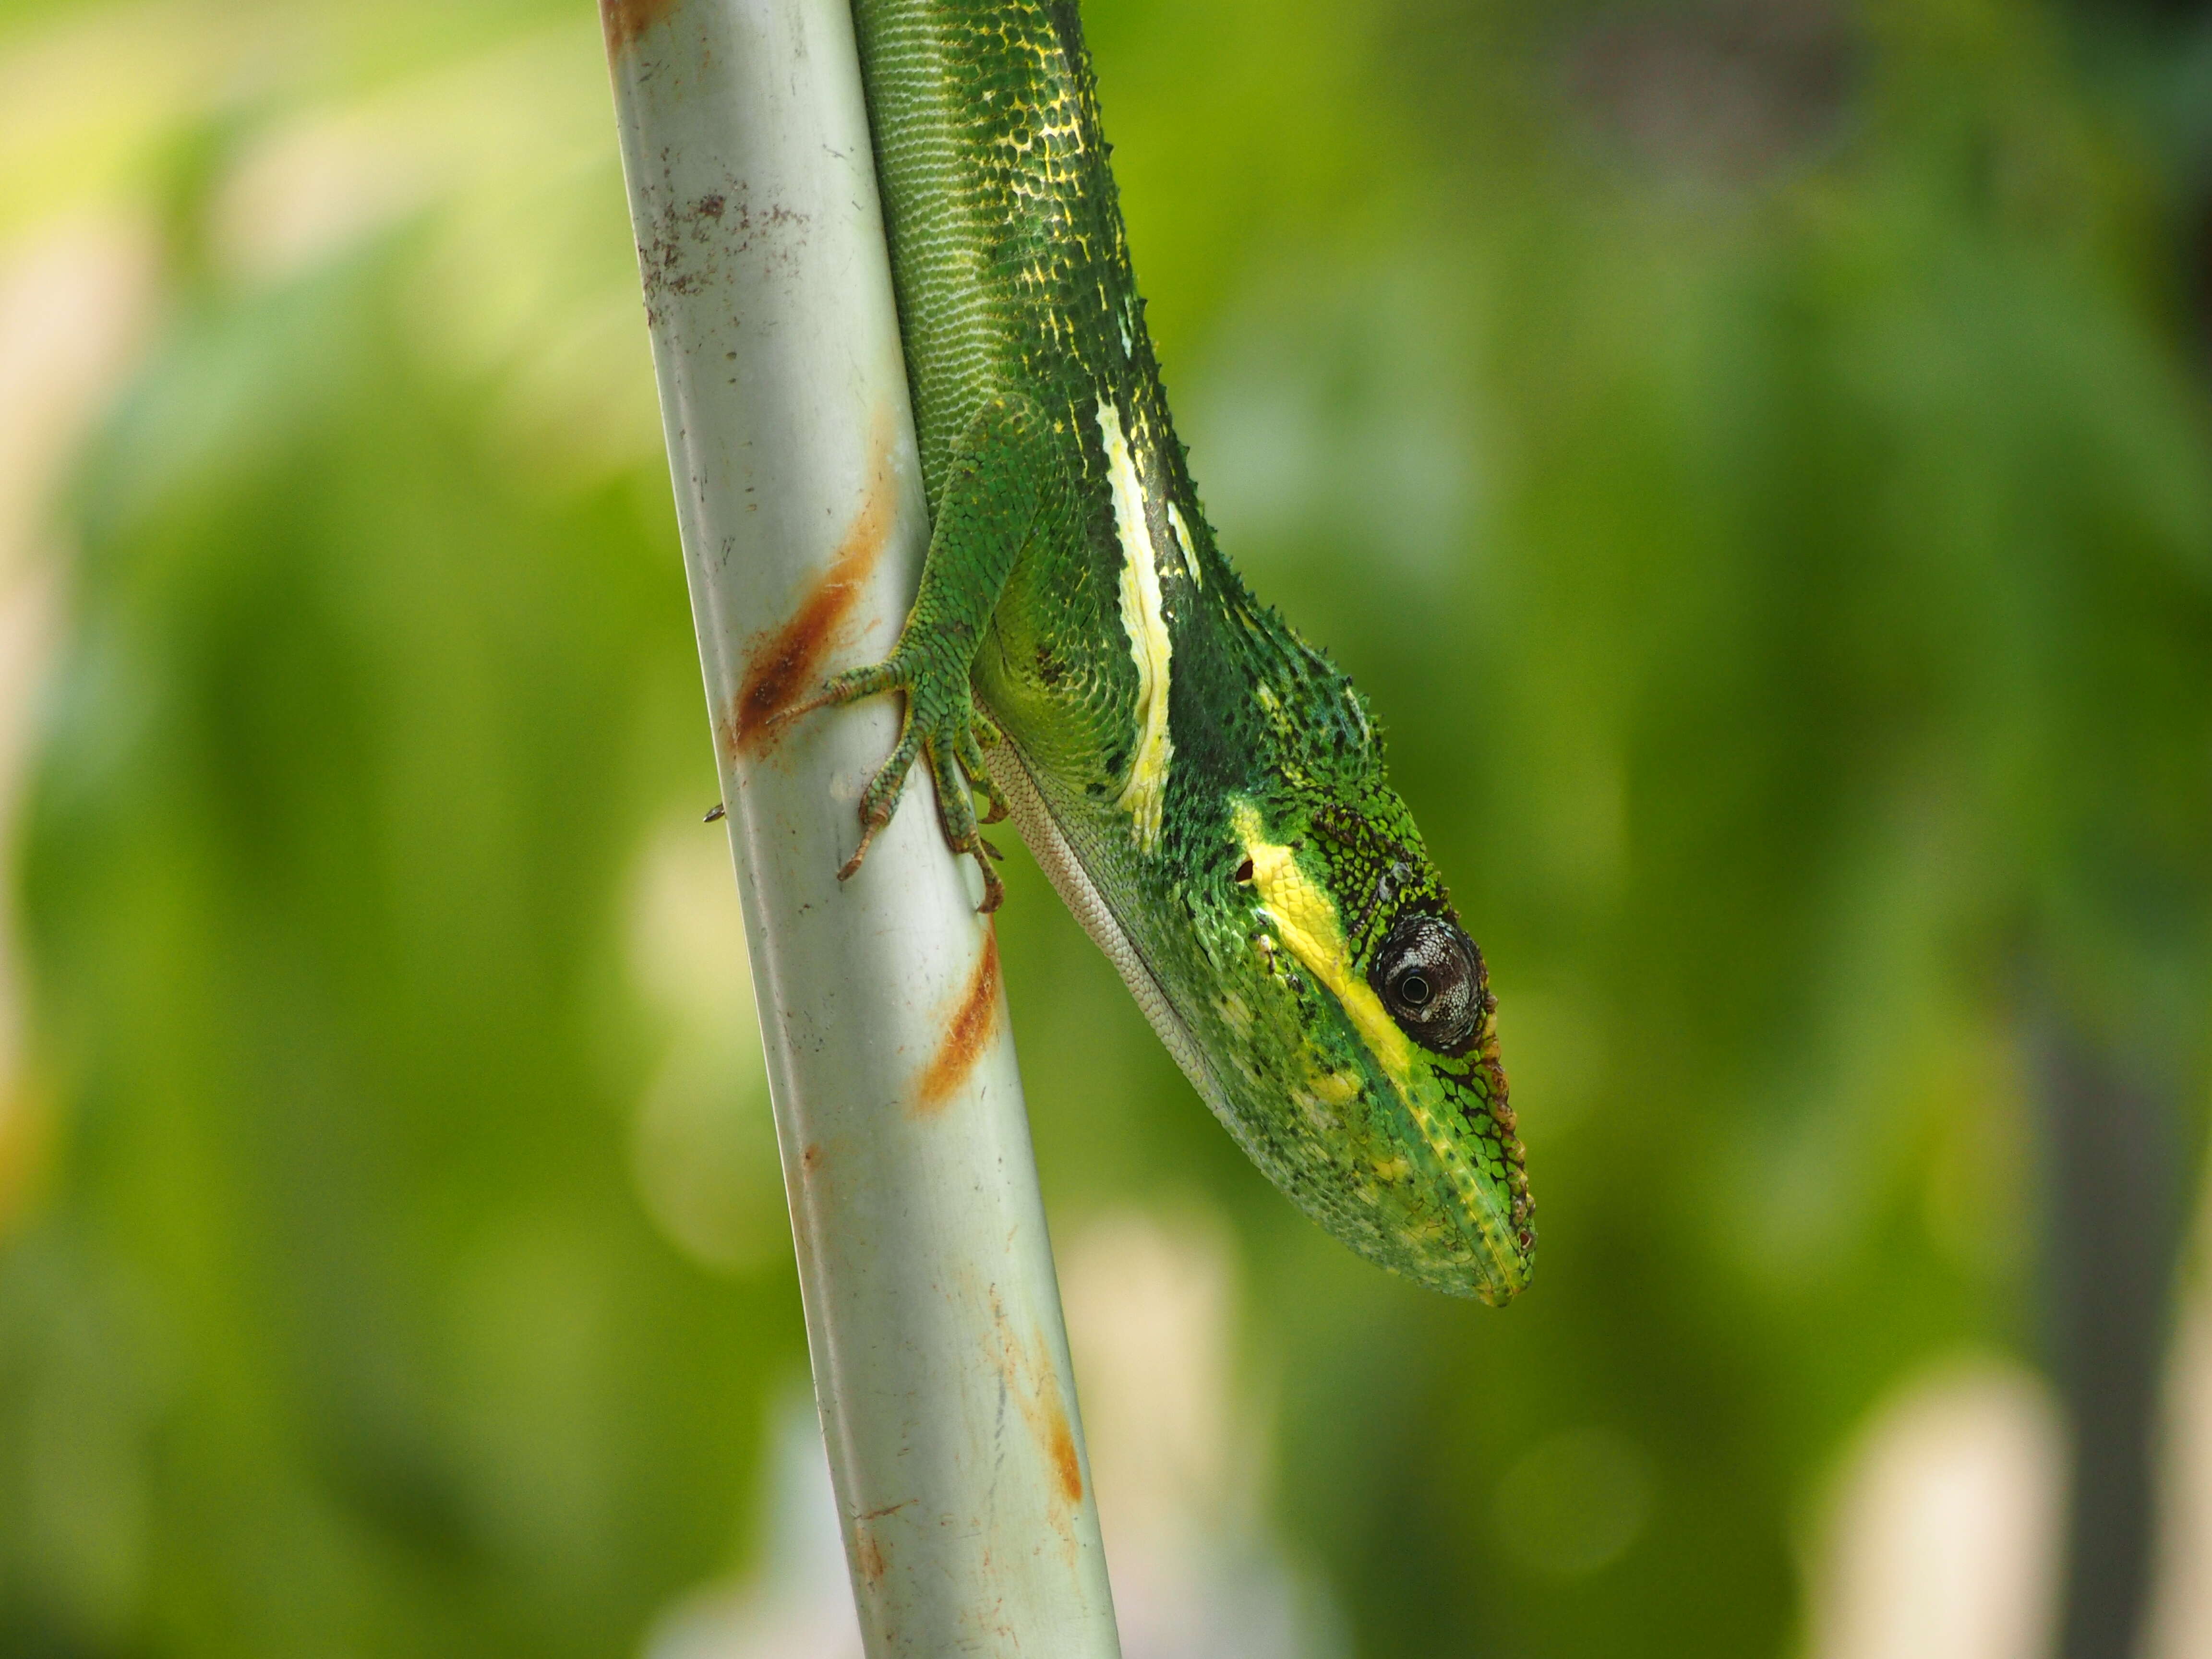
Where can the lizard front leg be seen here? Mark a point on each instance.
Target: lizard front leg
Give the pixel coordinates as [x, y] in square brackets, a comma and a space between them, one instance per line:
[1002, 479]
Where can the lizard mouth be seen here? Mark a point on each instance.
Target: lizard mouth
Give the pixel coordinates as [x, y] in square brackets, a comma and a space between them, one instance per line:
[1499, 1093]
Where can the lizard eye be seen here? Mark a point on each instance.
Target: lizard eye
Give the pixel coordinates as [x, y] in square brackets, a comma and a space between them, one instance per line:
[1429, 976]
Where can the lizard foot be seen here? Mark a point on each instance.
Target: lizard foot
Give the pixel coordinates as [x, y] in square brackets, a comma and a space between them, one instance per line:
[944, 728]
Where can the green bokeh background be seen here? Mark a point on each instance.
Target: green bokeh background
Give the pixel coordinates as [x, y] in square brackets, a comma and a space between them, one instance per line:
[1755, 458]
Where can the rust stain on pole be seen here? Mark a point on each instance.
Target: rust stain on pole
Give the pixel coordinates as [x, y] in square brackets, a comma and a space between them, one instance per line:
[868, 1553]
[787, 666]
[967, 1035]
[625, 20]
[1033, 1381]
[1059, 1440]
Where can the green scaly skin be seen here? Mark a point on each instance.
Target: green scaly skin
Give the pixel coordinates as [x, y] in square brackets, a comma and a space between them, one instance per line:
[1205, 790]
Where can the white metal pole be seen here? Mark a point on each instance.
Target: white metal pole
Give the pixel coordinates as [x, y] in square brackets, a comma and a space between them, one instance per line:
[941, 1362]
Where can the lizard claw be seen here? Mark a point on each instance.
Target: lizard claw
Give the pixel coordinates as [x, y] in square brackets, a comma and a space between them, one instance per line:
[852, 685]
[851, 867]
[942, 729]
[995, 890]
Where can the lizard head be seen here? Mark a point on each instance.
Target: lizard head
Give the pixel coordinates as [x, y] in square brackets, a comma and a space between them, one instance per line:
[1362, 1033]
[1301, 962]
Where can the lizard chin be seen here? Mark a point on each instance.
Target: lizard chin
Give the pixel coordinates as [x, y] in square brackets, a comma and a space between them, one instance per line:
[1455, 1223]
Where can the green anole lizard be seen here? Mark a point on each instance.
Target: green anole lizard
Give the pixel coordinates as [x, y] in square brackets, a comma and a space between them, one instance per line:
[1204, 788]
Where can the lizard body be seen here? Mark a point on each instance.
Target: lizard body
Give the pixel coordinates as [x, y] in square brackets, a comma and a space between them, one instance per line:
[1205, 789]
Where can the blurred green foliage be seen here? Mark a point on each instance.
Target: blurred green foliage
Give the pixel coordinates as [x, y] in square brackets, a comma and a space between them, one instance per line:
[1755, 459]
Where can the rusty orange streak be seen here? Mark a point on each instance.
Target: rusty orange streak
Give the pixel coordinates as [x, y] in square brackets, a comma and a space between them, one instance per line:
[1033, 1381]
[623, 20]
[868, 1554]
[1060, 1448]
[969, 1032]
[786, 664]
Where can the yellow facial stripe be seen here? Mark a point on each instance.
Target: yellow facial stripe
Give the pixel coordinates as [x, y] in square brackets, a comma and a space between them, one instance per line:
[1305, 918]
[1145, 788]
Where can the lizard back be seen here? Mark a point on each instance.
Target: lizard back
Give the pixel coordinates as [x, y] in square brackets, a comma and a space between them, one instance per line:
[1007, 247]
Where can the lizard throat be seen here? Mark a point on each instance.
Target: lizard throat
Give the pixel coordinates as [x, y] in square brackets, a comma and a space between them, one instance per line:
[1041, 833]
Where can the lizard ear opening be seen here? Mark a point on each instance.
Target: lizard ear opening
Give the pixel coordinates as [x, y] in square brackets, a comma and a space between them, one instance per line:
[1429, 976]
